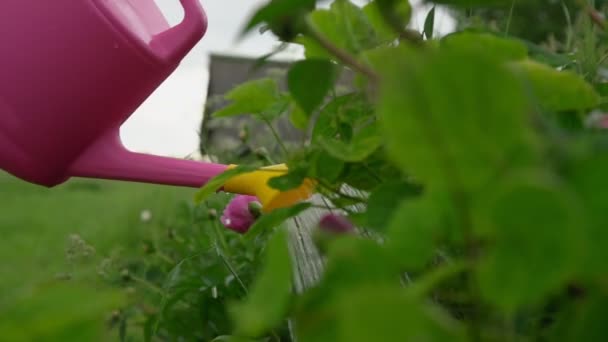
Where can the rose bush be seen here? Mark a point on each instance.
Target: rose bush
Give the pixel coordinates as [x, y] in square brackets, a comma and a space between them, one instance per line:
[476, 168]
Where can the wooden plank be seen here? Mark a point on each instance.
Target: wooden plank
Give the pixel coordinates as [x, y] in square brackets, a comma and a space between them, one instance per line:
[307, 261]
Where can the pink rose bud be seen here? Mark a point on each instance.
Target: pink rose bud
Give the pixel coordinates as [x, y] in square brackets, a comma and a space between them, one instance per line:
[597, 119]
[238, 215]
[333, 223]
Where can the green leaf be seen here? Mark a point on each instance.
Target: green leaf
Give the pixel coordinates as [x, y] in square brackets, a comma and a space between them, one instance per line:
[364, 143]
[352, 262]
[217, 182]
[557, 90]
[585, 175]
[386, 313]
[309, 81]
[490, 45]
[227, 338]
[268, 300]
[384, 201]
[534, 226]
[299, 119]
[293, 179]
[360, 298]
[451, 117]
[396, 13]
[275, 218]
[543, 55]
[282, 16]
[587, 323]
[474, 3]
[370, 173]
[171, 290]
[276, 9]
[413, 231]
[429, 24]
[253, 97]
[345, 25]
[275, 110]
[383, 30]
[324, 166]
[351, 109]
[312, 49]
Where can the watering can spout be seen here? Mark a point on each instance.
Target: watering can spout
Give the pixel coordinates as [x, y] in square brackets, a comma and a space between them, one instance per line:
[109, 159]
[255, 183]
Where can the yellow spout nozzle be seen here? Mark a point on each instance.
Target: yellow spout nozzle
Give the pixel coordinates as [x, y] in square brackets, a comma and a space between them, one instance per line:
[255, 183]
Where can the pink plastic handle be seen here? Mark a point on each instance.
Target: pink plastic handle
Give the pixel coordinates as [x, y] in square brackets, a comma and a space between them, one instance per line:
[108, 159]
[174, 43]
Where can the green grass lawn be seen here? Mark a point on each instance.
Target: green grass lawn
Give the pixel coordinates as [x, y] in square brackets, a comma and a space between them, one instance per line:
[36, 223]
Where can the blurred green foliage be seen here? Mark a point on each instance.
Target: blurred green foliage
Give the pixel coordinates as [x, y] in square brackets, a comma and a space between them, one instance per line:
[533, 20]
[53, 245]
[109, 261]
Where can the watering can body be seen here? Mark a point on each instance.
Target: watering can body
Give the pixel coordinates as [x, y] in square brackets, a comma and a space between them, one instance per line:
[72, 71]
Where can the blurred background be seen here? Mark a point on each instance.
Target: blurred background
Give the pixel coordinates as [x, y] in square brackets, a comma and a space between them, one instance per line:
[168, 122]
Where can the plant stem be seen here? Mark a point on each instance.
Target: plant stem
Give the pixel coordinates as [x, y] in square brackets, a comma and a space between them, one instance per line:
[337, 192]
[220, 254]
[435, 277]
[147, 284]
[342, 55]
[231, 269]
[165, 258]
[510, 17]
[372, 172]
[276, 136]
[219, 237]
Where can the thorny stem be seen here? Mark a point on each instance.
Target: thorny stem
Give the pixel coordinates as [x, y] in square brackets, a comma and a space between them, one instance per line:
[328, 187]
[341, 54]
[231, 269]
[324, 207]
[339, 194]
[220, 254]
[147, 284]
[165, 257]
[219, 237]
[372, 172]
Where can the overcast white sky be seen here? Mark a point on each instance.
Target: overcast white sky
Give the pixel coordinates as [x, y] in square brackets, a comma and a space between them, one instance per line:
[168, 122]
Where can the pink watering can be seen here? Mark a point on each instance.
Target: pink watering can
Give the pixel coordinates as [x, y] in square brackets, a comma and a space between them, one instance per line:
[72, 71]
